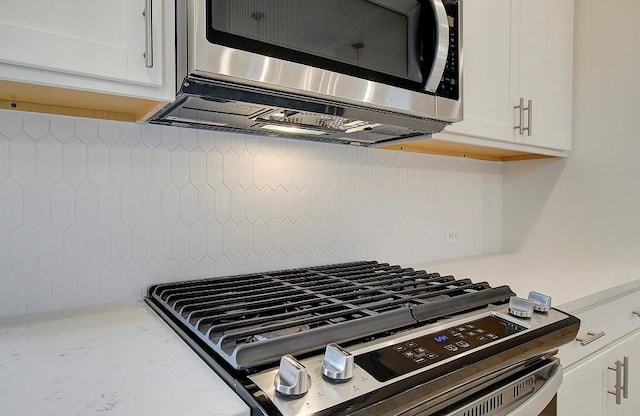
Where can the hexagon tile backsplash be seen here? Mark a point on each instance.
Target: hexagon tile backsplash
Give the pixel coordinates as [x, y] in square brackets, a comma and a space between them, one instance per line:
[94, 211]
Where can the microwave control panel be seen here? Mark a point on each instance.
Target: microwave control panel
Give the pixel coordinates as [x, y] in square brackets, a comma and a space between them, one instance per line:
[450, 84]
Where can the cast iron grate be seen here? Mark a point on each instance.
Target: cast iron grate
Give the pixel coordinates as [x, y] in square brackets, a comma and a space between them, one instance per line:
[254, 319]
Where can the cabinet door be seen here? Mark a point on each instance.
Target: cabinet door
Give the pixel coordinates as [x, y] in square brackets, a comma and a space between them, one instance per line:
[487, 83]
[581, 389]
[544, 67]
[586, 385]
[101, 38]
[631, 405]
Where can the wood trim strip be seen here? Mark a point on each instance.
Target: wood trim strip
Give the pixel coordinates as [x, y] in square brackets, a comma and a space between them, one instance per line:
[446, 148]
[55, 100]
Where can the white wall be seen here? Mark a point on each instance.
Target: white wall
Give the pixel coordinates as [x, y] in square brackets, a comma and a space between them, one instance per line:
[589, 204]
[95, 211]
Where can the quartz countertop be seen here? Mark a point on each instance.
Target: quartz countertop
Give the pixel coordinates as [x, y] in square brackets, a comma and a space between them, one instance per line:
[122, 359]
[572, 282]
[115, 359]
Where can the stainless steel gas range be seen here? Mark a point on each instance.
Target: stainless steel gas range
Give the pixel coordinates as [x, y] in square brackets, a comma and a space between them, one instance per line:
[370, 338]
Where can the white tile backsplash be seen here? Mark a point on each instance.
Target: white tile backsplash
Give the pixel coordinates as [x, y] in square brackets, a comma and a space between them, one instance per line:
[95, 211]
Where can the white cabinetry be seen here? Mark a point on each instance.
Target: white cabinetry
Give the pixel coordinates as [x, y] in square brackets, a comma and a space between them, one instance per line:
[512, 50]
[118, 48]
[590, 370]
[544, 67]
[488, 77]
[586, 387]
[516, 50]
[630, 402]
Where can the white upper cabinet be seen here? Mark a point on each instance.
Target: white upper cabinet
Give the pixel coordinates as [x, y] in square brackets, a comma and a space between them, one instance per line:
[102, 39]
[487, 79]
[118, 47]
[513, 50]
[545, 62]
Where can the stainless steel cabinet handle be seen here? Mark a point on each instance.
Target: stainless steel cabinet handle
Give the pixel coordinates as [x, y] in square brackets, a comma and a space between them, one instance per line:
[148, 38]
[636, 313]
[528, 109]
[622, 380]
[625, 385]
[520, 126]
[618, 391]
[591, 336]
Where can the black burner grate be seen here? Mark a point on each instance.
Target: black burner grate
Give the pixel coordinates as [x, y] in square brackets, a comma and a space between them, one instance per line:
[254, 319]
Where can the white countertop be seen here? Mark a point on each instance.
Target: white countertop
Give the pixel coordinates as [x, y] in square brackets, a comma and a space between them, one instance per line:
[122, 359]
[115, 359]
[570, 281]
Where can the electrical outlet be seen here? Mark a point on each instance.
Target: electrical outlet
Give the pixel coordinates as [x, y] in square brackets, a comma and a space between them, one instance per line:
[452, 235]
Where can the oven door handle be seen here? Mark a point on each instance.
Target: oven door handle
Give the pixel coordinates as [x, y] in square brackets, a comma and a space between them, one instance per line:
[442, 48]
[535, 404]
[527, 395]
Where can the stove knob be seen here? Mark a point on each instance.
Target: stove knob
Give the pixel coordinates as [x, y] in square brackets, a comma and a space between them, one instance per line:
[337, 364]
[541, 303]
[522, 308]
[292, 379]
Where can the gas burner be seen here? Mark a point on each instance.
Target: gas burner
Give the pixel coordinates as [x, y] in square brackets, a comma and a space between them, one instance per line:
[247, 318]
[369, 338]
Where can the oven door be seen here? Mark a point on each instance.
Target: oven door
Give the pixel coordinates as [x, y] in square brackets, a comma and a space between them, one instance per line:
[400, 56]
[517, 392]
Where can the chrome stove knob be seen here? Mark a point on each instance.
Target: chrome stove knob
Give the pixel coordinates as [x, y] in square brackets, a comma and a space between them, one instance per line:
[292, 379]
[522, 308]
[337, 364]
[541, 302]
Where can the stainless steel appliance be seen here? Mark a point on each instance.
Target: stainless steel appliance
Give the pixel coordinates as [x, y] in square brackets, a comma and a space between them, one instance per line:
[369, 338]
[346, 71]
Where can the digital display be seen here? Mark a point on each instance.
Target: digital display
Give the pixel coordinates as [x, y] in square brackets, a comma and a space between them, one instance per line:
[428, 351]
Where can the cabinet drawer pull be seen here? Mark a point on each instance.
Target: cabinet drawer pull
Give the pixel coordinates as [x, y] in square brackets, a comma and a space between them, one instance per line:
[636, 313]
[591, 336]
[148, 38]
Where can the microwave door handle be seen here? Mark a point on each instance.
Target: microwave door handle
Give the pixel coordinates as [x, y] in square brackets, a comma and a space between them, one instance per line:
[442, 47]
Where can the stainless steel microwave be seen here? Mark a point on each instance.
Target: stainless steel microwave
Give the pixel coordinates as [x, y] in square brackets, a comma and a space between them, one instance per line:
[360, 72]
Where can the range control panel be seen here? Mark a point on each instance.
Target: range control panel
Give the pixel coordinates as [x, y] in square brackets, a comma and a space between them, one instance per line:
[407, 356]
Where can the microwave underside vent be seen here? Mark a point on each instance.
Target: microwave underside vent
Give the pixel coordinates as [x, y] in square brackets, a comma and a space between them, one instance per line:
[221, 106]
